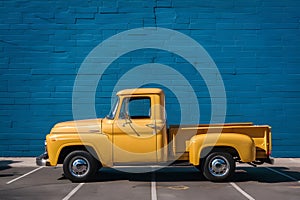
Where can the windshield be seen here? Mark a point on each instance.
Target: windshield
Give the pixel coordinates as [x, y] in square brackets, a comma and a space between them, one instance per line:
[113, 110]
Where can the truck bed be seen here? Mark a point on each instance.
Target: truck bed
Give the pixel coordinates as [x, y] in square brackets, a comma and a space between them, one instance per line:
[180, 136]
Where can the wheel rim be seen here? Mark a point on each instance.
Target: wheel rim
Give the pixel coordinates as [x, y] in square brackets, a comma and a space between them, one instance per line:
[79, 166]
[219, 166]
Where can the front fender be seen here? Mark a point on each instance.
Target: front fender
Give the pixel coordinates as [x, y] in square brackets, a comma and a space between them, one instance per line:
[99, 142]
[243, 144]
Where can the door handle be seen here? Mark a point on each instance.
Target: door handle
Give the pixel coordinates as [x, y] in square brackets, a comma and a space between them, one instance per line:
[125, 123]
[151, 126]
[94, 131]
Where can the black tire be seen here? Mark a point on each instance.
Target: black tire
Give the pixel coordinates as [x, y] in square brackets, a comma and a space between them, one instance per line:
[80, 166]
[219, 166]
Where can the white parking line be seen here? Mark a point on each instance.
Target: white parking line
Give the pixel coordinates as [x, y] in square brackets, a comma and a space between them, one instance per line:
[153, 186]
[245, 194]
[153, 190]
[9, 182]
[73, 191]
[283, 174]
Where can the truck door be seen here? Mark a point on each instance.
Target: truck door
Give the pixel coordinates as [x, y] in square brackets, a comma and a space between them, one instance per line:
[134, 134]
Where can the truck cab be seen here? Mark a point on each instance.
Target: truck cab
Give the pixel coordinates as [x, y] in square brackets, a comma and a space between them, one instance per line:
[138, 127]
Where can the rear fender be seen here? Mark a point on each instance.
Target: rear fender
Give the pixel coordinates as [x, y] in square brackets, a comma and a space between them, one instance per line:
[243, 144]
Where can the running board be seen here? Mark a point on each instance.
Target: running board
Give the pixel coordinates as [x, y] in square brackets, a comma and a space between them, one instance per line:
[160, 165]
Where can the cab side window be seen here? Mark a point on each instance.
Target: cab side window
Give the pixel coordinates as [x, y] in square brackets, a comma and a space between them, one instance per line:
[136, 108]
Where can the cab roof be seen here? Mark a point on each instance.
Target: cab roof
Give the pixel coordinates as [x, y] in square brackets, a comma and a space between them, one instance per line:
[137, 91]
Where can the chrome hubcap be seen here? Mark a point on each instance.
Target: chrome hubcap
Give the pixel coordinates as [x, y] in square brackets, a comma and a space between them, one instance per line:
[219, 166]
[79, 166]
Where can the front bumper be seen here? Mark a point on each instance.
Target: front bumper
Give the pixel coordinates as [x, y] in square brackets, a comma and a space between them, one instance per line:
[42, 160]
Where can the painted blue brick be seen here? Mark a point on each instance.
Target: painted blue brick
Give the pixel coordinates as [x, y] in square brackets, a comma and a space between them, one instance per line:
[18, 147]
[129, 7]
[108, 7]
[6, 101]
[255, 45]
[164, 3]
[85, 10]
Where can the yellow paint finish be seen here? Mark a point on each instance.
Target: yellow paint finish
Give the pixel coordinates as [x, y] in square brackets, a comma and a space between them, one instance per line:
[81, 126]
[99, 142]
[137, 140]
[242, 143]
[261, 135]
[122, 140]
[141, 91]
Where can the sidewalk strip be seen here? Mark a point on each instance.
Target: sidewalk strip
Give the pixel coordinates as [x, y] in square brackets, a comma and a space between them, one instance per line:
[9, 182]
[294, 160]
[73, 191]
[283, 174]
[245, 194]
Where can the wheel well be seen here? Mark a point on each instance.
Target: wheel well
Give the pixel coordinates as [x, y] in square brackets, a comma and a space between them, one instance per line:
[66, 150]
[205, 152]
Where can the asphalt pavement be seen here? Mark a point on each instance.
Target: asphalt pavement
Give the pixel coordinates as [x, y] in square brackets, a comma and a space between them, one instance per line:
[21, 179]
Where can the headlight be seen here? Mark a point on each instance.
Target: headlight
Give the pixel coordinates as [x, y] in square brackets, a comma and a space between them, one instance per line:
[45, 142]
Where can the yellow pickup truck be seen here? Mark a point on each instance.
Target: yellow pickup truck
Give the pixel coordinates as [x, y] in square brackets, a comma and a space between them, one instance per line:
[135, 133]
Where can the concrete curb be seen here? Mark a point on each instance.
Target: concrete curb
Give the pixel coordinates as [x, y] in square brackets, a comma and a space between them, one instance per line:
[30, 162]
[17, 162]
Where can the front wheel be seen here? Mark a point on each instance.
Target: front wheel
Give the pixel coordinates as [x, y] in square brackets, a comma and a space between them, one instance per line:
[219, 166]
[79, 166]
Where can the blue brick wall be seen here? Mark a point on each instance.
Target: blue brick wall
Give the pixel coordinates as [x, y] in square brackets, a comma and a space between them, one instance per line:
[255, 44]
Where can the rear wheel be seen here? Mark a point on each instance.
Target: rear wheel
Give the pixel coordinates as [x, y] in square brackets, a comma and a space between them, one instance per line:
[219, 166]
[79, 166]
